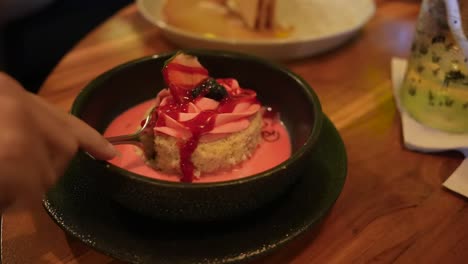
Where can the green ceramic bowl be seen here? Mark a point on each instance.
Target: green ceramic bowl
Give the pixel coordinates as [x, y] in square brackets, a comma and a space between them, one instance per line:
[137, 81]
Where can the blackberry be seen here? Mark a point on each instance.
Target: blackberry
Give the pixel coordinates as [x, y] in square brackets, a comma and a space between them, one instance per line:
[210, 88]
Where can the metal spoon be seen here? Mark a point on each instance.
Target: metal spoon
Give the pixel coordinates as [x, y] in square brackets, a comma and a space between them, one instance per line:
[143, 138]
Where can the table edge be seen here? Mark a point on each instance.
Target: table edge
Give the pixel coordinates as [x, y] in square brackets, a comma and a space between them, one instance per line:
[1, 238]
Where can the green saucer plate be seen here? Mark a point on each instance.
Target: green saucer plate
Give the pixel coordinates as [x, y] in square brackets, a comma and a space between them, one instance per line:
[86, 213]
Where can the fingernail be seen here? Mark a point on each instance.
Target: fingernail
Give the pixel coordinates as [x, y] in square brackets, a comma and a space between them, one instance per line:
[118, 154]
[112, 151]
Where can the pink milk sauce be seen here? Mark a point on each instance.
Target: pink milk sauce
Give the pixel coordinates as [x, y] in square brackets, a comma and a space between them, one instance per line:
[274, 148]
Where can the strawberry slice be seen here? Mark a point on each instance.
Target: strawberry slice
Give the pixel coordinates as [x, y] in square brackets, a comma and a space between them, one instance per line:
[182, 73]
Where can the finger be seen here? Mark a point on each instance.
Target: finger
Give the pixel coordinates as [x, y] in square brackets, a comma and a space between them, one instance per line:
[88, 138]
[61, 153]
[47, 171]
[9, 83]
[39, 174]
[92, 141]
[60, 145]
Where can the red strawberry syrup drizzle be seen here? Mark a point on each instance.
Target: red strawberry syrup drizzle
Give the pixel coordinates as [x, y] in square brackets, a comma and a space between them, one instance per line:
[204, 122]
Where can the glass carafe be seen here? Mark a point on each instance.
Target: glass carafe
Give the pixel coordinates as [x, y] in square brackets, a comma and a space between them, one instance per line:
[435, 88]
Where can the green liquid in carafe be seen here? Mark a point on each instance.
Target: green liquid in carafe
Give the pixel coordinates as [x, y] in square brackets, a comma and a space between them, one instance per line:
[435, 88]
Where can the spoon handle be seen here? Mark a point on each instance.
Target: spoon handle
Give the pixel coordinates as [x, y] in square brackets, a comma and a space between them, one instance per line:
[125, 139]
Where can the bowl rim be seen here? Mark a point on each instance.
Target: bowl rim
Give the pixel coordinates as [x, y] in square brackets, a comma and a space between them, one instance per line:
[303, 150]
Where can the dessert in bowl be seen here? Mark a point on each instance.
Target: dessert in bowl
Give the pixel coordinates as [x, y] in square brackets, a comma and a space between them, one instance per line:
[201, 129]
[129, 85]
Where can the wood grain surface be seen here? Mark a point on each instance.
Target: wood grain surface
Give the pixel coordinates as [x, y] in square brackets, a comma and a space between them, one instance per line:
[393, 208]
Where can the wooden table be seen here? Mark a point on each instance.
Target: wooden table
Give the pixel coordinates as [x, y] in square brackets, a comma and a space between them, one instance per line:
[393, 207]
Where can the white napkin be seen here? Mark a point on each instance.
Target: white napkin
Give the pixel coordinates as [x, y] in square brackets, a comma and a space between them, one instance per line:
[424, 139]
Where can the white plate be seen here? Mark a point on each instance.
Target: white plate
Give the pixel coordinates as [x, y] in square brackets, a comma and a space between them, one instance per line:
[319, 25]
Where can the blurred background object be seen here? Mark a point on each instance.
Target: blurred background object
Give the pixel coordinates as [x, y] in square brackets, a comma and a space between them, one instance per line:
[35, 34]
[464, 15]
[305, 27]
[434, 91]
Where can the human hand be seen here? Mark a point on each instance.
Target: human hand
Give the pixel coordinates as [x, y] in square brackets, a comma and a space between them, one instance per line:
[37, 141]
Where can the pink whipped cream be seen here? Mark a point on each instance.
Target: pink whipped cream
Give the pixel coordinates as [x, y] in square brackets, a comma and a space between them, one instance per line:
[229, 116]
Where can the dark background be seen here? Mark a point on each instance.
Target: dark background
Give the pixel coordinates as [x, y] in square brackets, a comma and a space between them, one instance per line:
[32, 46]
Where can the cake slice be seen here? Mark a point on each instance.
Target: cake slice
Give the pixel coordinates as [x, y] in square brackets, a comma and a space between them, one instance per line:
[204, 125]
